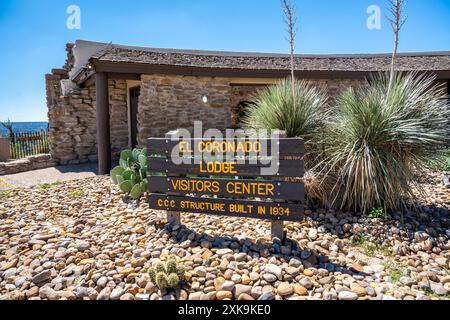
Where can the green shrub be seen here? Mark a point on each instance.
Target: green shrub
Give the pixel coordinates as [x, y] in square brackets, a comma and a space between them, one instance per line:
[301, 114]
[77, 193]
[375, 144]
[377, 213]
[46, 186]
[131, 174]
[441, 164]
[167, 276]
[5, 194]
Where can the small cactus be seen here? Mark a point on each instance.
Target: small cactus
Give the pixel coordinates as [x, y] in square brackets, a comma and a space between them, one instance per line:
[181, 270]
[152, 274]
[171, 266]
[172, 280]
[160, 268]
[167, 276]
[161, 280]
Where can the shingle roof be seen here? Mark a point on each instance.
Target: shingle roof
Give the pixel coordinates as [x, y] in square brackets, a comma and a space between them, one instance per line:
[425, 61]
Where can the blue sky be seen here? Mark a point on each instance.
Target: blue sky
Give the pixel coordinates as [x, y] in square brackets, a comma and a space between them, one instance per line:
[33, 33]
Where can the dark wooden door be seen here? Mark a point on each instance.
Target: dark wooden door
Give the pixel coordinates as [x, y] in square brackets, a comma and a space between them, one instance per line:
[134, 101]
[448, 88]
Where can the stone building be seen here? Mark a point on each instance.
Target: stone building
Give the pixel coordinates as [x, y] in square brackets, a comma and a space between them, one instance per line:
[109, 97]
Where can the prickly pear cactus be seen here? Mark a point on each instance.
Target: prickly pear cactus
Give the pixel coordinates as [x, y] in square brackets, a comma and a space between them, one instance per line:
[167, 276]
[131, 174]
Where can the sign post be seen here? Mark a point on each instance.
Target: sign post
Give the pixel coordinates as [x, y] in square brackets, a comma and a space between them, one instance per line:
[277, 227]
[192, 175]
[173, 217]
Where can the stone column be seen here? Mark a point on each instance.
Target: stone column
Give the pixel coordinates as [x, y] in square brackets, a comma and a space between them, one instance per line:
[103, 130]
[5, 149]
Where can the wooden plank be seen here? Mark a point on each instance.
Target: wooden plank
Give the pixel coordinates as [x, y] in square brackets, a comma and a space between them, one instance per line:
[227, 187]
[226, 207]
[287, 168]
[256, 147]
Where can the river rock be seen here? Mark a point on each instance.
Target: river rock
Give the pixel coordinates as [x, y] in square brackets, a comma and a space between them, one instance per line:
[285, 289]
[222, 295]
[42, 277]
[347, 295]
[275, 270]
[240, 289]
[104, 294]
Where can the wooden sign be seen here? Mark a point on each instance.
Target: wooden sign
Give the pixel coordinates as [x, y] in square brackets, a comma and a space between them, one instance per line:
[227, 187]
[287, 147]
[228, 207]
[286, 168]
[180, 187]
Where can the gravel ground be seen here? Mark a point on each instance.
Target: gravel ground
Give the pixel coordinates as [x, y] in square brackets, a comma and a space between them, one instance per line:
[83, 240]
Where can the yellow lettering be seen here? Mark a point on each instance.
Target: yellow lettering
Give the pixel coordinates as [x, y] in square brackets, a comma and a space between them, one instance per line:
[225, 146]
[184, 147]
[261, 189]
[261, 210]
[218, 167]
[166, 203]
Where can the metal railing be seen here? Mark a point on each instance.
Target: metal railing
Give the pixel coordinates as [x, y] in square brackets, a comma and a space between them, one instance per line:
[24, 144]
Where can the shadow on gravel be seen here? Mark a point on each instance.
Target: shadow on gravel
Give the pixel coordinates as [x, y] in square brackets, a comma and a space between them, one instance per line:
[289, 249]
[424, 221]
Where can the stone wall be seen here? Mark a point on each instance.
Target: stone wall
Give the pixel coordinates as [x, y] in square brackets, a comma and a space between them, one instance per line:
[170, 102]
[72, 126]
[39, 161]
[335, 86]
[72, 121]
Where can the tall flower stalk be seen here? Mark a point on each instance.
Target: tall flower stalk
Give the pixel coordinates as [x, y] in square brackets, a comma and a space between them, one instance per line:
[397, 21]
[290, 19]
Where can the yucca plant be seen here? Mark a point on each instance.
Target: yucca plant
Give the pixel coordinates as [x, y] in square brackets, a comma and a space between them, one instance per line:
[300, 115]
[300, 112]
[376, 143]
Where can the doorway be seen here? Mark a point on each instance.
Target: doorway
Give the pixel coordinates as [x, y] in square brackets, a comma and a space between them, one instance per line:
[134, 102]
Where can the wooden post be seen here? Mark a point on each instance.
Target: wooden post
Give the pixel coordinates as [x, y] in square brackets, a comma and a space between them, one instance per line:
[277, 230]
[173, 217]
[277, 227]
[103, 130]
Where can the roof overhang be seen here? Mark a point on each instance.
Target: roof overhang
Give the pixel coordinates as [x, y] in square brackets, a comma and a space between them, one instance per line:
[133, 71]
